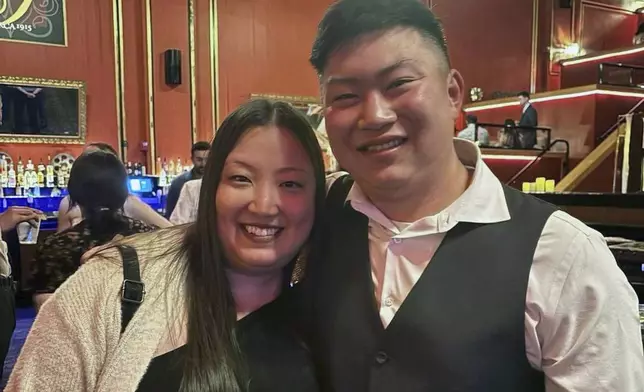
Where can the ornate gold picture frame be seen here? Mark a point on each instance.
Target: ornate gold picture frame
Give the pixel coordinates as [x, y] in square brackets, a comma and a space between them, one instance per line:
[60, 108]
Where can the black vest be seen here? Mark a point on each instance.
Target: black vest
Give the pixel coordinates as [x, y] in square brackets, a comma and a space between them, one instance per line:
[461, 328]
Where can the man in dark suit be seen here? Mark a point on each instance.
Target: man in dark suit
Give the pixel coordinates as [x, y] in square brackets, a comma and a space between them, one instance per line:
[529, 118]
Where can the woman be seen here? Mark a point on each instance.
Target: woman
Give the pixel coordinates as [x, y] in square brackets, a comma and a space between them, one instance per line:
[133, 207]
[212, 318]
[98, 188]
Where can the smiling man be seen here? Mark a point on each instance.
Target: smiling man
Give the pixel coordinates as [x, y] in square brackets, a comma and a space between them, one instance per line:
[438, 277]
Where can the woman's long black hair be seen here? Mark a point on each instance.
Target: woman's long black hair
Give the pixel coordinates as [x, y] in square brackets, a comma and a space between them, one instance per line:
[213, 359]
[98, 185]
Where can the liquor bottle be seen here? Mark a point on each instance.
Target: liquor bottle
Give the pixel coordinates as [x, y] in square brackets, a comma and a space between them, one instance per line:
[163, 178]
[129, 168]
[171, 168]
[49, 174]
[11, 177]
[20, 168]
[159, 166]
[30, 175]
[3, 172]
[179, 168]
[20, 179]
[40, 179]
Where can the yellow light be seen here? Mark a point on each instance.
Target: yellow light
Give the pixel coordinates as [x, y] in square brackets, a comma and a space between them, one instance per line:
[556, 98]
[602, 56]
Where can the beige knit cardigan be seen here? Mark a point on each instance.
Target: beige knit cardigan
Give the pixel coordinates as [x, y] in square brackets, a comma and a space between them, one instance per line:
[76, 344]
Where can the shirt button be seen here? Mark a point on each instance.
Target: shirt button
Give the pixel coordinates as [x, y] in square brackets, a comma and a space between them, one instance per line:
[396, 240]
[381, 357]
[389, 301]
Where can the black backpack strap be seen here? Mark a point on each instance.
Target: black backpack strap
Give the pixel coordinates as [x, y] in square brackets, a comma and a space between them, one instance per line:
[337, 195]
[133, 289]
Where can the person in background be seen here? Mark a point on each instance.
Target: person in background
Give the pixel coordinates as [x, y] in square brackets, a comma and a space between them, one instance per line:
[638, 39]
[134, 207]
[9, 219]
[415, 292]
[188, 204]
[472, 127]
[98, 187]
[529, 118]
[199, 156]
[215, 316]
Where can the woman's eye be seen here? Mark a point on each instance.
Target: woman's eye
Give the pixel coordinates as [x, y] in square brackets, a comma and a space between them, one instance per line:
[239, 179]
[291, 184]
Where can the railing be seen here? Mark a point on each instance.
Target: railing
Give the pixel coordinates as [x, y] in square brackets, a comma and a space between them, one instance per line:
[565, 164]
[548, 131]
[619, 122]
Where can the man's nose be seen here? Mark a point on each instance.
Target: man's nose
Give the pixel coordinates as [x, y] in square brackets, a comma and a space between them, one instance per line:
[377, 112]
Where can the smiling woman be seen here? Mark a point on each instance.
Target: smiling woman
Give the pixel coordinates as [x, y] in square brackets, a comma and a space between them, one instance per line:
[215, 314]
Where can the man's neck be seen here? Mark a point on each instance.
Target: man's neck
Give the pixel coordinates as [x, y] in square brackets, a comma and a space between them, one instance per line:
[424, 196]
[251, 292]
[194, 175]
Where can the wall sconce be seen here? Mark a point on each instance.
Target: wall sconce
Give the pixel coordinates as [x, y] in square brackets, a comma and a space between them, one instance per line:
[566, 52]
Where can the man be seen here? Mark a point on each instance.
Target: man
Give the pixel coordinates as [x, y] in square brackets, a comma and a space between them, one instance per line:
[8, 221]
[437, 277]
[472, 129]
[188, 204]
[199, 156]
[529, 118]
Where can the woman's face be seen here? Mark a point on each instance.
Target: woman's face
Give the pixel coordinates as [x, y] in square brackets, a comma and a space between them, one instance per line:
[265, 201]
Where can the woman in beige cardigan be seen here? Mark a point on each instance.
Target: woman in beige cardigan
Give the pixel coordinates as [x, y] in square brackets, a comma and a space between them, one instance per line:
[212, 318]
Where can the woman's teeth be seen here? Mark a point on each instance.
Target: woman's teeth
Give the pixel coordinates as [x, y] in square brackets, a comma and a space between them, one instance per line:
[261, 231]
[387, 146]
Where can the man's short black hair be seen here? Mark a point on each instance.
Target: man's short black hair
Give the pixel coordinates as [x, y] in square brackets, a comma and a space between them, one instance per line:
[347, 20]
[471, 119]
[524, 94]
[200, 146]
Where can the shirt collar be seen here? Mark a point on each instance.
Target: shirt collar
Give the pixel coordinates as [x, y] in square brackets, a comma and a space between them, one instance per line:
[482, 202]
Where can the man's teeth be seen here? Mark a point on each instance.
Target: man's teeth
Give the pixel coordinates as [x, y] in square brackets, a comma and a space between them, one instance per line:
[386, 146]
[260, 231]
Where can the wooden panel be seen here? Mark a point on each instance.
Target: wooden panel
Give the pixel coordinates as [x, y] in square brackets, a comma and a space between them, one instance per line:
[89, 57]
[490, 52]
[605, 28]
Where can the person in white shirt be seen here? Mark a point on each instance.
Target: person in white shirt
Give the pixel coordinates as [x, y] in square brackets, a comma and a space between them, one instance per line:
[472, 129]
[9, 219]
[187, 206]
[438, 277]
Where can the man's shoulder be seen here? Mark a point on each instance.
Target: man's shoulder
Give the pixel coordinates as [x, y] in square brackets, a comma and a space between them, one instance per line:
[181, 179]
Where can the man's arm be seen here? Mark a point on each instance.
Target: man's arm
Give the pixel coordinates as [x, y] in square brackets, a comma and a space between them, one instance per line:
[588, 330]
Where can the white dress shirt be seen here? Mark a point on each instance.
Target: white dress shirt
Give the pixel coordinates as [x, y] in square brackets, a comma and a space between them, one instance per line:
[582, 324]
[188, 204]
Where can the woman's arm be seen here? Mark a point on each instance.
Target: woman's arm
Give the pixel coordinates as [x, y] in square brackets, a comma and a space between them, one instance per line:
[137, 209]
[64, 218]
[66, 347]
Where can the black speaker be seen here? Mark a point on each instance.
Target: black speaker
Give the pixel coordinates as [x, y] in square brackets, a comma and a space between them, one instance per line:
[172, 67]
[565, 3]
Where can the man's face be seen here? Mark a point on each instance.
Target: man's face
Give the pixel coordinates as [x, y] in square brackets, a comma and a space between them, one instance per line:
[523, 100]
[199, 159]
[391, 103]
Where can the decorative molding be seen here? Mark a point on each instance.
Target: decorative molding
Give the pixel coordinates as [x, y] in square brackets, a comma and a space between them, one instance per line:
[592, 4]
[119, 72]
[535, 46]
[214, 64]
[192, 69]
[149, 57]
[52, 83]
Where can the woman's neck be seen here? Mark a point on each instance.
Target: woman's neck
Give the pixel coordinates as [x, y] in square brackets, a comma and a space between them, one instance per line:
[251, 292]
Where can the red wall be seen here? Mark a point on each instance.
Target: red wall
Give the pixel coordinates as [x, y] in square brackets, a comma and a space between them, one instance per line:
[604, 25]
[490, 42]
[264, 48]
[89, 57]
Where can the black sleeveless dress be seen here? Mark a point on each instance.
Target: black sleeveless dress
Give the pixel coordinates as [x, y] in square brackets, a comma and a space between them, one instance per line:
[275, 357]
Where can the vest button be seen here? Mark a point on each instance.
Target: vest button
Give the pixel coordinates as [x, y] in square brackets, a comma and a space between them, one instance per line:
[381, 357]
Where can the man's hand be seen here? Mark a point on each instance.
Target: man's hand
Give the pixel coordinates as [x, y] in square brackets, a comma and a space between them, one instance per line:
[14, 215]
